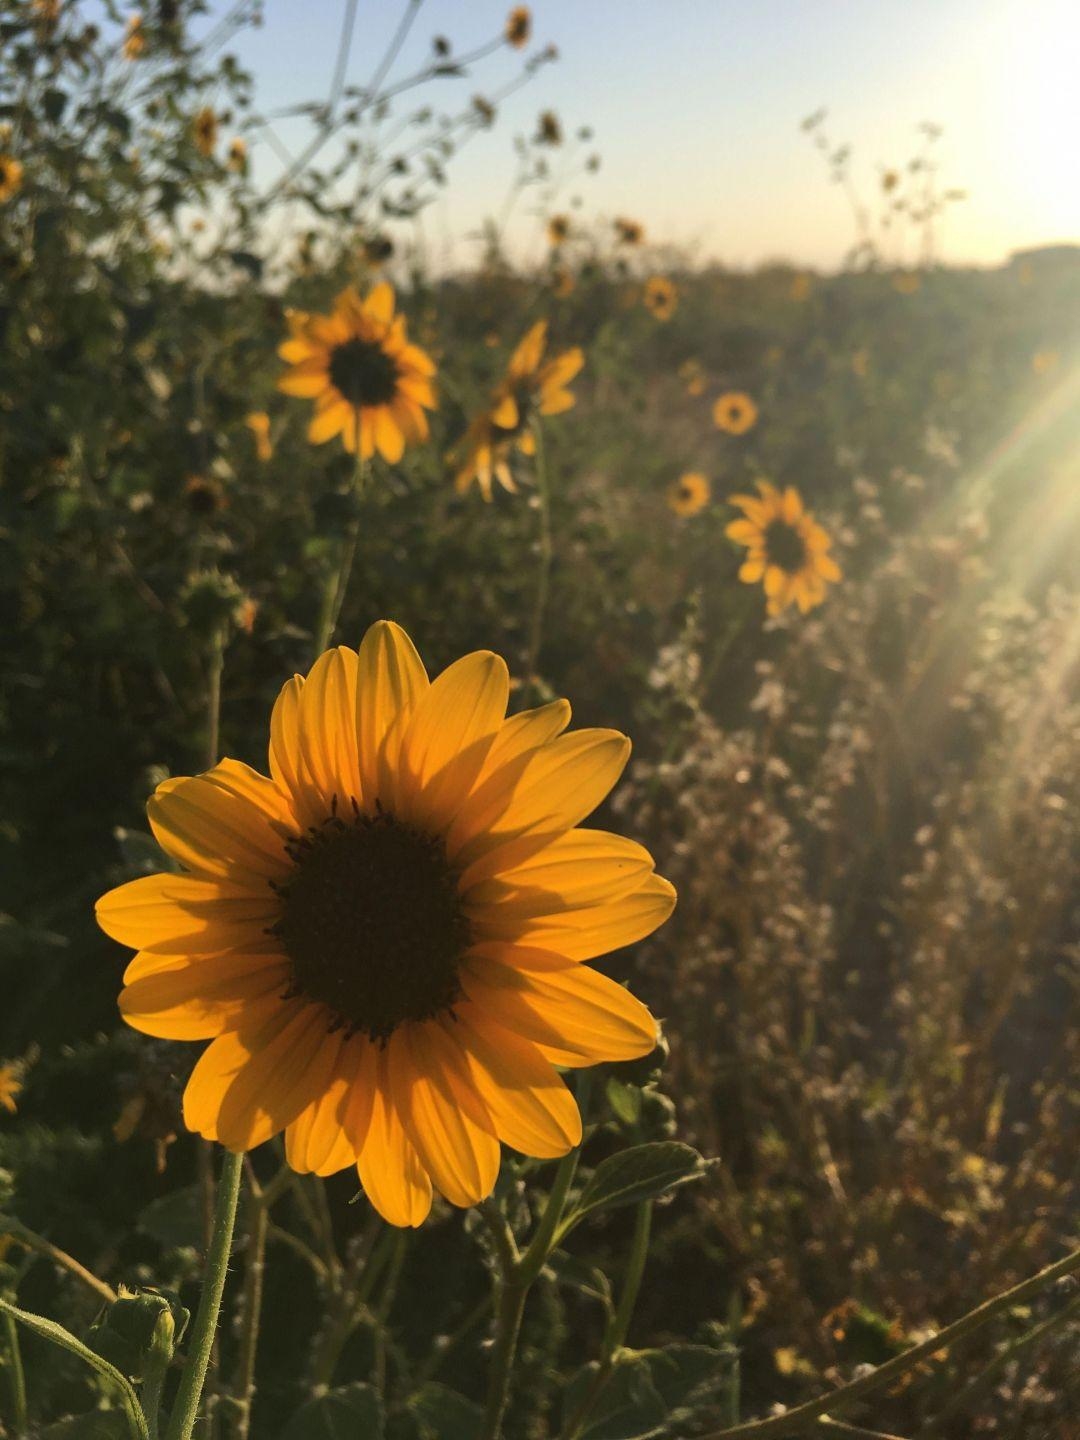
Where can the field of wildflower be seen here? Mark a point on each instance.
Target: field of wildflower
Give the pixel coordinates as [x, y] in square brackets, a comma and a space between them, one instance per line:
[386, 1049]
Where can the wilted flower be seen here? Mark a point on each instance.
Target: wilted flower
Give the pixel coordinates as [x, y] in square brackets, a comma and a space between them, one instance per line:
[518, 26]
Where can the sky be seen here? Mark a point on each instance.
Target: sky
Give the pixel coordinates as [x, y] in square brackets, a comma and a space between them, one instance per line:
[696, 107]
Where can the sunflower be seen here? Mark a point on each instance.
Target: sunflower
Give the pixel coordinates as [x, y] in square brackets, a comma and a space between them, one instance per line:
[689, 493]
[529, 389]
[369, 384]
[734, 412]
[518, 26]
[11, 175]
[628, 232]
[238, 156]
[258, 422]
[10, 1086]
[384, 941]
[558, 229]
[134, 38]
[660, 297]
[205, 128]
[787, 549]
[692, 374]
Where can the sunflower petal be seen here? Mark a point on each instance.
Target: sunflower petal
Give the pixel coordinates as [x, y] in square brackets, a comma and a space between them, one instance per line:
[390, 680]
[182, 915]
[390, 1170]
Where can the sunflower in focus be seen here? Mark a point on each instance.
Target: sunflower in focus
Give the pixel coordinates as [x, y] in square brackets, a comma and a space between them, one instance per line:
[689, 494]
[628, 232]
[558, 230]
[11, 177]
[205, 131]
[518, 26]
[660, 297]
[529, 390]
[734, 413]
[786, 549]
[10, 1086]
[370, 386]
[134, 38]
[384, 942]
[258, 422]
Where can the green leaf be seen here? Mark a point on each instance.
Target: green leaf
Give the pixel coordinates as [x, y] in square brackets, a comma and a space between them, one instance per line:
[643, 1172]
[351, 1412]
[629, 1407]
[625, 1101]
[443, 1414]
[175, 1220]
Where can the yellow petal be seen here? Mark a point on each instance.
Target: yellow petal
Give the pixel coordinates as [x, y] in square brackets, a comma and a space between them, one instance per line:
[389, 439]
[532, 1110]
[526, 358]
[214, 830]
[390, 1171]
[586, 932]
[327, 731]
[315, 1141]
[579, 868]
[183, 915]
[390, 680]
[380, 302]
[193, 1000]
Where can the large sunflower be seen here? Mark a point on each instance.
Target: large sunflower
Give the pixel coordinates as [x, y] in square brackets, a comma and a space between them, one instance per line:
[787, 549]
[529, 389]
[383, 941]
[370, 386]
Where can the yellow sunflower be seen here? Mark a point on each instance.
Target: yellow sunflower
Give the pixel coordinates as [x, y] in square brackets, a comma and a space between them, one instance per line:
[238, 156]
[660, 297]
[11, 176]
[205, 127]
[628, 232]
[518, 26]
[258, 422]
[787, 549]
[370, 386]
[134, 38]
[689, 493]
[529, 389]
[558, 229]
[384, 940]
[734, 412]
[10, 1086]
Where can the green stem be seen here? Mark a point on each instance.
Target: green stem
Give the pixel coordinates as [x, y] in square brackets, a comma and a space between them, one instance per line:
[386, 1300]
[511, 1307]
[615, 1337]
[254, 1270]
[213, 698]
[543, 580]
[18, 1379]
[31, 1240]
[792, 1422]
[193, 1376]
[334, 598]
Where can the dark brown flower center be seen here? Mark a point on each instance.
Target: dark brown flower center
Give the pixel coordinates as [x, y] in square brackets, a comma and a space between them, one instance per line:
[364, 373]
[372, 921]
[784, 547]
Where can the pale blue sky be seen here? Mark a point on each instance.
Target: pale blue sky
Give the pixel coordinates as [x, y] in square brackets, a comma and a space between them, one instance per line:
[696, 106]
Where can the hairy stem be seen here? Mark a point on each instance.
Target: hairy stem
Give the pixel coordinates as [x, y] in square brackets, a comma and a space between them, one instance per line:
[31, 1240]
[18, 1379]
[543, 579]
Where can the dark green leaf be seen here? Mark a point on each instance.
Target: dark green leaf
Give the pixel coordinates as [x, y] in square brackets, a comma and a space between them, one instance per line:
[642, 1173]
[443, 1414]
[352, 1412]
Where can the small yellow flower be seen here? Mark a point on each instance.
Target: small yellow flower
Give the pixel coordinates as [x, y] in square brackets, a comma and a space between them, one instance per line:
[238, 156]
[134, 38]
[258, 422]
[11, 177]
[628, 232]
[906, 282]
[386, 941]
[689, 494]
[558, 229]
[1043, 361]
[518, 26]
[660, 297]
[692, 375]
[205, 128]
[786, 549]
[529, 390]
[735, 413]
[370, 386]
[10, 1085]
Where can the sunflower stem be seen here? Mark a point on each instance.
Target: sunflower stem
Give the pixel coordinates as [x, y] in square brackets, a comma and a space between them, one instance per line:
[334, 598]
[18, 1378]
[216, 664]
[543, 579]
[193, 1376]
[254, 1271]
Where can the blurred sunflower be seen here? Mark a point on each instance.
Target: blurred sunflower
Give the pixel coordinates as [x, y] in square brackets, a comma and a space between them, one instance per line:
[692, 375]
[258, 422]
[562, 282]
[384, 941]
[205, 129]
[787, 549]
[134, 38]
[628, 232]
[689, 493]
[518, 26]
[734, 412]
[10, 1085]
[370, 386]
[11, 176]
[660, 297]
[238, 157]
[558, 229]
[529, 389]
